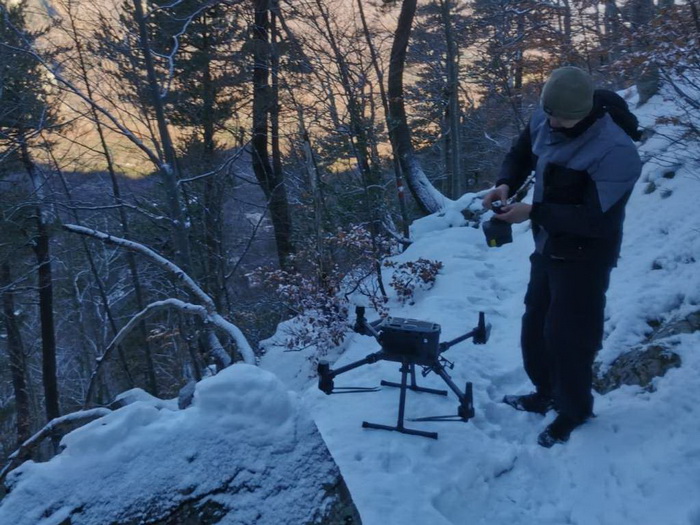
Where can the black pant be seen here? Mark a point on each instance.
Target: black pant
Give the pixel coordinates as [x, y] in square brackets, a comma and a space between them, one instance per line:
[563, 329]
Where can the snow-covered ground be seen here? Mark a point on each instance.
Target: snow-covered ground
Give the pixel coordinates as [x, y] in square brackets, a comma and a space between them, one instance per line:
[244, 432]
[637, 462]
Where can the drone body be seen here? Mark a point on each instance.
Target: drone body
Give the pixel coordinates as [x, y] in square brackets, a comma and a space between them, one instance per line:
[409, 342]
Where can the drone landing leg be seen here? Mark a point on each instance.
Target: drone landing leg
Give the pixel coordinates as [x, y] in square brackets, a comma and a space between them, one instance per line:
[465, 410]
[414, 386]
[402, 406]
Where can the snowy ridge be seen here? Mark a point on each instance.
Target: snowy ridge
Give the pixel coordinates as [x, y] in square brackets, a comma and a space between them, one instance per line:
[637, 462]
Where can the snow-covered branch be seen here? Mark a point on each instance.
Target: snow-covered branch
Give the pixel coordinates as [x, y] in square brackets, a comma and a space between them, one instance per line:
[159, 260]
[395, 235]
[206, 310]
[193, 309]
[26, 449]
[152, 216]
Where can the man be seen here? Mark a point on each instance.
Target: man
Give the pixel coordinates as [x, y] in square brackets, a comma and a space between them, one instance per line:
[585, 168]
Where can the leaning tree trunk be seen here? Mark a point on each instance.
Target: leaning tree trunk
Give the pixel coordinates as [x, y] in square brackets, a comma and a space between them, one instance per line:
[429, 199]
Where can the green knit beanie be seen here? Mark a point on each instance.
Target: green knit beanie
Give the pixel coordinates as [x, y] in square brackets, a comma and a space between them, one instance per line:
[568, 93]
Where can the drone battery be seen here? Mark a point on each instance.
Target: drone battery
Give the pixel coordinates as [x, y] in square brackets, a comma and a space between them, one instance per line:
[417, 340]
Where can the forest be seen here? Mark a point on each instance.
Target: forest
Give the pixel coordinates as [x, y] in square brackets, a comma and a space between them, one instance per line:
[178, 177]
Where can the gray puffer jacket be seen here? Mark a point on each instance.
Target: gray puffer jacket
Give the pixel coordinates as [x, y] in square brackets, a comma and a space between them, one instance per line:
[583, 179]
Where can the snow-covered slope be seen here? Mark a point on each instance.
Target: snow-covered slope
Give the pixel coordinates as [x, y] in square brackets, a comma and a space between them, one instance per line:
[637, 462]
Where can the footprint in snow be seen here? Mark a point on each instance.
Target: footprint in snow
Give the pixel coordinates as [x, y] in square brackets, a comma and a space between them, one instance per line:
[394, 462]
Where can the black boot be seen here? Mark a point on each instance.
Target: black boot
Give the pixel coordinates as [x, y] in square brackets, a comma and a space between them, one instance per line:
[534, 402]
[558, 431]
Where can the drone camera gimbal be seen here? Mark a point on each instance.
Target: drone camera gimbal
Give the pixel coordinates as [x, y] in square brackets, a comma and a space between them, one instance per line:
[409, 342]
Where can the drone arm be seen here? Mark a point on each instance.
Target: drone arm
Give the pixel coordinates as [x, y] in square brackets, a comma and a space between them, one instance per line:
[326, 374]
[449, 344]
[480, 334]
[447, 379]
[361, 325]
[371, 358]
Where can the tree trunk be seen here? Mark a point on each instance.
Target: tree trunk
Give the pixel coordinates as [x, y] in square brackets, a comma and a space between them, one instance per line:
[454, 143]
[40, 244]
[642, 12]
[168, 169]
[428, 198]
[263, 98]
[401, 194]
[696, 17]
[648, 79]
[16, 354]
[213, 194]
[279, 203]
[613, 29]
[568, 37]
[48, 333]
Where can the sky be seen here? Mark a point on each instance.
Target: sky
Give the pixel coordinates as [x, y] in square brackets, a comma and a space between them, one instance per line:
[637, 462]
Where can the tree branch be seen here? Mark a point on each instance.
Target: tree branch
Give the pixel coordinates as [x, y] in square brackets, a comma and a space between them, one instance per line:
[209, 313]
[26, 449]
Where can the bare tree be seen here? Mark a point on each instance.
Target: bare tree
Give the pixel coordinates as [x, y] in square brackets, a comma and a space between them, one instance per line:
[83, 66]
[401, 195]
[429, 199]
[169, 166]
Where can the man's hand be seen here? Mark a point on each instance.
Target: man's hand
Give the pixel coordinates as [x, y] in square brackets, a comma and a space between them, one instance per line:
[499, 193]
[515, 213]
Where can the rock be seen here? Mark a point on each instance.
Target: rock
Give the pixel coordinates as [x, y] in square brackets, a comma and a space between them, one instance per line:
[637, 367]
[228, 504]
[641, 365]
[472, 216]
[244, 452]
[686, 325]
[136, 395]
[648, 84]
[186, 395]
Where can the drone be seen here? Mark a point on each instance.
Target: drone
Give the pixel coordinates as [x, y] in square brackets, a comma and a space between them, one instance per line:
[410, 342]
